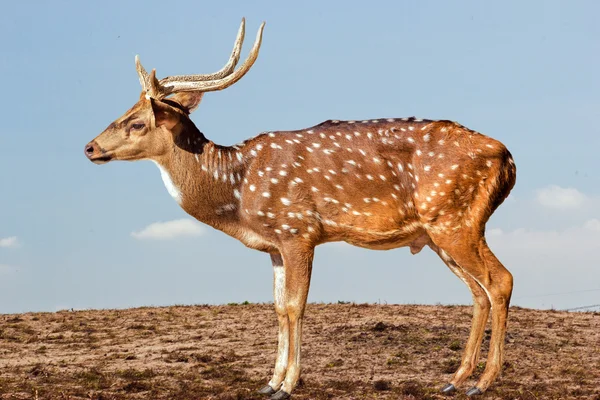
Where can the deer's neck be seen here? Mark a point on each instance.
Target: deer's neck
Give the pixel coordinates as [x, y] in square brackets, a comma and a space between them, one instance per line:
[204, 178]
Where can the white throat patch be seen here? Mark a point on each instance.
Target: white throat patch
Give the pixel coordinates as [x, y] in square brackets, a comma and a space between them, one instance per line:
[171, 188]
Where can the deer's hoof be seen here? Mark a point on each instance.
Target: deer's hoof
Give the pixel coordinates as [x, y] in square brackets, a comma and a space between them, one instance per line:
[281, 395]
[449, 389]
[474, 391]
[267, 390]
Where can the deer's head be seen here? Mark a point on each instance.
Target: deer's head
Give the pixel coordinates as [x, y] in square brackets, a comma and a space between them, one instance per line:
[151, 127]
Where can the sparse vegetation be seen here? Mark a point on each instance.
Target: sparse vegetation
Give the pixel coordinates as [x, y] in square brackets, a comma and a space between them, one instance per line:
[455, 345]
[227, 352]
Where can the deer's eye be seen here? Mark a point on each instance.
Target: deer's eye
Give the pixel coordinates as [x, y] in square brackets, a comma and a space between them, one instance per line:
[137, 126]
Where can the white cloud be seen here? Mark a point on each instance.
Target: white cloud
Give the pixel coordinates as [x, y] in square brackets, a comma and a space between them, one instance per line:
[557, 197]
[11, 241]
[169, 230]
[494, 232]
[576, 242]
[592, 225]
[7, 269]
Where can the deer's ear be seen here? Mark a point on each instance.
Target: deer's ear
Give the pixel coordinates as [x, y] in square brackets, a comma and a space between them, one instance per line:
[164, 114]
[188, 100]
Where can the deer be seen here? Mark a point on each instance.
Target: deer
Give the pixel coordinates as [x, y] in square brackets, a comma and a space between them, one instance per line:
[378, 184]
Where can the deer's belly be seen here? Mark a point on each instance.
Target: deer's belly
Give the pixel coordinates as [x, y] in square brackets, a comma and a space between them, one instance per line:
[381, 238]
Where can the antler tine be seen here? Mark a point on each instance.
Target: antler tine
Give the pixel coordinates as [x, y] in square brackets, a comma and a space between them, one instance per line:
[155, 90]
[218, 84]
[150, 84]
[142, 74]
[223, 72]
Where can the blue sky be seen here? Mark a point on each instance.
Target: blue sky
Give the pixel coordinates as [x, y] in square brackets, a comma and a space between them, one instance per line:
[74, 235]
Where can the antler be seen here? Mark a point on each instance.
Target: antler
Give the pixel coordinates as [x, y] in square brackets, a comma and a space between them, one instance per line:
[202, 82]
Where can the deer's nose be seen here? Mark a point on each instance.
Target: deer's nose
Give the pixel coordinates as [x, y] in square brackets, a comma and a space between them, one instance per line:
[91, 149]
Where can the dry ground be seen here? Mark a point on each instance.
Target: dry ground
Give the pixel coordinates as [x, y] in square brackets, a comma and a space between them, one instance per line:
[351, 351]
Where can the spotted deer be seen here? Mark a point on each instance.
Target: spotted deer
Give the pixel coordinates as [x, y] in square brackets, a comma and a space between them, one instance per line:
[378, 184]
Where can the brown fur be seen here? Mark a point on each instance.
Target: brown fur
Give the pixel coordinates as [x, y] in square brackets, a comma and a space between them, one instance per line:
[378, 184]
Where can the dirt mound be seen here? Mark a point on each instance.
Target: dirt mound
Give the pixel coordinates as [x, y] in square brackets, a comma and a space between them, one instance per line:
[350, 351]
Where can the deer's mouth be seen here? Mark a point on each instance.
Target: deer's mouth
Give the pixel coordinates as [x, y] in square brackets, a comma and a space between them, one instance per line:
[101, 159]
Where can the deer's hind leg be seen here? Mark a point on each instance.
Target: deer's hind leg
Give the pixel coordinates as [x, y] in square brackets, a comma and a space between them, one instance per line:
[481, 311]
[472, 255]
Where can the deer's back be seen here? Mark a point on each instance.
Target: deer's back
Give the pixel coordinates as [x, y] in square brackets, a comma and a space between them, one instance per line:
[376, 184]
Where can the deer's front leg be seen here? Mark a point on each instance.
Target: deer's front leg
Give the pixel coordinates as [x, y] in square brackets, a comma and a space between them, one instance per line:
[298, 267]
[282, 317]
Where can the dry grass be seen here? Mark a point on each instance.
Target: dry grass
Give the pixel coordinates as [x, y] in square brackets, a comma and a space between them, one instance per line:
[351, 351]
